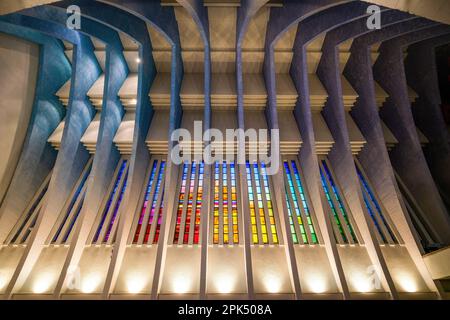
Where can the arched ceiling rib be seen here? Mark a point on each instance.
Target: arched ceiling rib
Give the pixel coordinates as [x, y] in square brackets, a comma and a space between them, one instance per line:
[438, 10]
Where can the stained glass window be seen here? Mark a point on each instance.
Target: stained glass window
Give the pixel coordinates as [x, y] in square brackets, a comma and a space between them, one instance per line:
[70, 212]
[225, 208]
[342, 226]
[300, 219]
[146, 200]
[23, 228]
[187, 227]
[385, 232]
[154, 207]
[262, 217]
[216, 215]
[234, 205]
[109, 213]
[149, 223]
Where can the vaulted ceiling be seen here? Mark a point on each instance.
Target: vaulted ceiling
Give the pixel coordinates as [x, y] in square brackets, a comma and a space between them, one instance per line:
[438, 10]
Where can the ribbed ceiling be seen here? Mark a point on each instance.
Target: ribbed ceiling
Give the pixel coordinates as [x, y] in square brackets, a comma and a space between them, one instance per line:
[438, 10]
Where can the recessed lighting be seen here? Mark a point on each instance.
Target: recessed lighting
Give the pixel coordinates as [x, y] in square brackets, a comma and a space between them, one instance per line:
[43, 283]
[317, 284]
[408, 284]
[90, 283]
[181, 284]
[135, 284]
[225, 284]
[138, 60]
[2, 281]
[272, 283]
[362, 283]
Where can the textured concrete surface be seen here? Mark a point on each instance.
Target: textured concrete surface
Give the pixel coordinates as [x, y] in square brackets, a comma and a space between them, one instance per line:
[421, 75]
[37, 158]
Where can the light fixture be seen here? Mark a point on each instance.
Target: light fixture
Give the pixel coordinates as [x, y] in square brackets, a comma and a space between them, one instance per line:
[272, 283]
[135, 283]
[2, 281]
[361, 283]
[407, 283]
[317, 284]
[138, 60]
[90, 283]
[133, 101]
[181, 284]
[224, 284]
[42, 284]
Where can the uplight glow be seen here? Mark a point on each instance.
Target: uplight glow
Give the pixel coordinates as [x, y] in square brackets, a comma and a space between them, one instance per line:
[43, 283]
[317, 284]
[135, 283]
[272, 283]
[181, 284]
[90, 283]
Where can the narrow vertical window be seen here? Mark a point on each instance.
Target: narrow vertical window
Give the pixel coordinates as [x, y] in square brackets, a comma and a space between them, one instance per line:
[259, 200]
[154, 208]
[225, 214]
[234, 206]
[273, 228]
[188, 214]
[190, 203]
[216, 204]
[373, 206]
[72, 223]
[291, 220]
[21, 231]
[112, 205]
[252, 206]
[64, 225]
[158, 226]
[296, 207]
[338, 199]
[181, 202]
[225, 203]
[198, 206]
[146, 200]
[264, 230]
[342, 219]
[304, 202]
[116, 209]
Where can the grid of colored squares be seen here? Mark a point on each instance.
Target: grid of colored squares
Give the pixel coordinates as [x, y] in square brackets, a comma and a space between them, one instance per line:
[262, 218]
[300, 220]
[72, 211]
[343, 230]
[187, 227]
[150, 217]
[107, 223]
[385, 233]
[225, 212]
